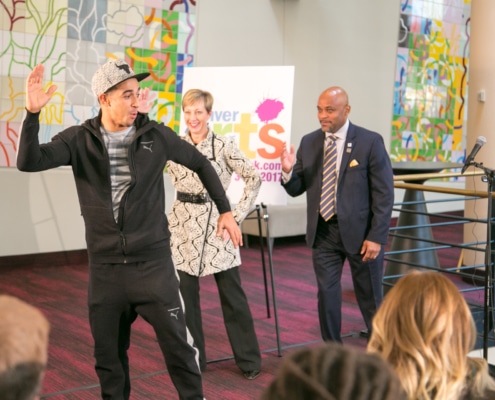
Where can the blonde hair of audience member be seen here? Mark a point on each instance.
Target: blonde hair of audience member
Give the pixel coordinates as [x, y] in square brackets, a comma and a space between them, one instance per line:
[424, 328]
[23, 349]
[334, 372]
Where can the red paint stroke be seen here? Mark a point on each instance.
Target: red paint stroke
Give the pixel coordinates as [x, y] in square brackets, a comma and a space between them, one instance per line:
[151, 17]
[12, 15]
[175, 3]
[7, 160]
[269, 109]
[168, 27]
[179, 2]
[12, 136]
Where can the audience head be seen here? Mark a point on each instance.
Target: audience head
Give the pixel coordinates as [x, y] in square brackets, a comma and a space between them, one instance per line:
[23, 349]
[334, 372]
[425, 330]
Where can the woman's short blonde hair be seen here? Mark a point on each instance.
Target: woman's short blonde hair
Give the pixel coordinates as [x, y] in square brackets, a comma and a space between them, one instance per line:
[194, 95]
[425, 329]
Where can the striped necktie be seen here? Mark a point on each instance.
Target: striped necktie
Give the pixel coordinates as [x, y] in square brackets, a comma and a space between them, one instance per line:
[327, 200]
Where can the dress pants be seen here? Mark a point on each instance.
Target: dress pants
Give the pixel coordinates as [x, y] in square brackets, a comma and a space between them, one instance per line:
[329, 256]
[236, 315]
[118, 293]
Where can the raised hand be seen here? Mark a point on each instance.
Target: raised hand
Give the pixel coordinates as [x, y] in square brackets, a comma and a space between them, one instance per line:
[287, 159]
[36, 97]
[145, 101]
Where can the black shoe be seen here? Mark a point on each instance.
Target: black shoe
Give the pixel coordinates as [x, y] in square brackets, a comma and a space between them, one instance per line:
[251, 374]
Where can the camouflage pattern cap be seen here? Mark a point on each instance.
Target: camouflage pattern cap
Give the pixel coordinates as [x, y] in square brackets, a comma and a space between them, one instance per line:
[111, 74]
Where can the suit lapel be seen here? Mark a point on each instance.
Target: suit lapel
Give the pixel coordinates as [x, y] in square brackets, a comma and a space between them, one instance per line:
[349, 145]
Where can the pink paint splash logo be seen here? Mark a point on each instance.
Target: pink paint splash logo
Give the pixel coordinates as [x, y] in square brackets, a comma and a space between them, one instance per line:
[269, 109]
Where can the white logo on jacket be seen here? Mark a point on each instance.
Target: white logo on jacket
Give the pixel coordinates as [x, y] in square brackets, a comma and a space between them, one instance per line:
[147, 146]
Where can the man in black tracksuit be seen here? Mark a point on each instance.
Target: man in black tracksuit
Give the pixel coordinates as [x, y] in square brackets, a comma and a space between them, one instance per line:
[118, 160]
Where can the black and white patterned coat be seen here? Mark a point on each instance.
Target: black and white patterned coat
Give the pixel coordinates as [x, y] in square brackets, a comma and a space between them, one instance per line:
[196, 249]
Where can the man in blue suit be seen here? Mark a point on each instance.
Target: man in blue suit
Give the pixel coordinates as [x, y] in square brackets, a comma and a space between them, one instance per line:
[363, 202]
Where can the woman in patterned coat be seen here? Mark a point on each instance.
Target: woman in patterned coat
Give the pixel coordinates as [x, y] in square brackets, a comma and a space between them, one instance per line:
[197, 250]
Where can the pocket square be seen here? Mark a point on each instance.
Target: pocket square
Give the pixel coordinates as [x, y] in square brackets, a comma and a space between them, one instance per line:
[353, 163]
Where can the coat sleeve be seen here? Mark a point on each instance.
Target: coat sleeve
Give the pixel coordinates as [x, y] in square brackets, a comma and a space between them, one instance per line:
[381, 180]
[33, 157]
[242, 166]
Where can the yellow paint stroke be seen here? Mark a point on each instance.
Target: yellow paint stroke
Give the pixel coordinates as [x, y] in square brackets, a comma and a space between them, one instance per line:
[413, 56]
[12, 96]
[111, 55]
[416, 141]
[154, 39]
[169, 82]
[151, 61]
[53, 112]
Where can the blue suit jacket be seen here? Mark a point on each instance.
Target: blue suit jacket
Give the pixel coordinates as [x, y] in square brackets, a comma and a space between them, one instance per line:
[365, 193]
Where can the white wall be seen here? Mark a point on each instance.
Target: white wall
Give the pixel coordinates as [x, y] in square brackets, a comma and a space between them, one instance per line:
[40, 212]
[350, 43]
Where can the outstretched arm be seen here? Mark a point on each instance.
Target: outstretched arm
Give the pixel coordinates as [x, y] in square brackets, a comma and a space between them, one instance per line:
[36, 97]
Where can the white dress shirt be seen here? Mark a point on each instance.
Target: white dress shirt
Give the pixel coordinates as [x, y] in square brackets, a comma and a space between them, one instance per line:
[341, 135]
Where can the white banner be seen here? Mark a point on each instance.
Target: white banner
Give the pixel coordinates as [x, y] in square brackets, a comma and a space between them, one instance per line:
[253, 105]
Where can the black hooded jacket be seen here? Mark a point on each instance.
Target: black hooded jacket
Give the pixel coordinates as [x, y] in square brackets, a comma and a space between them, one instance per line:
[141, 232]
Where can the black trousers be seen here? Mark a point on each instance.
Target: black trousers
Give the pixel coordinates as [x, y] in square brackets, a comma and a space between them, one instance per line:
[329, 256]
[236, 315]
[118, 293]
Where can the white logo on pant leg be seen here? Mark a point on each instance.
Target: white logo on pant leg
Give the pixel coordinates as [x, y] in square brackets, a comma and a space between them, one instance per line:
[174, 312]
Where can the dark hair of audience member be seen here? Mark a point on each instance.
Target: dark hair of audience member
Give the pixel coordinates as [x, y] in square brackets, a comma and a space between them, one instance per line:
[334, 372]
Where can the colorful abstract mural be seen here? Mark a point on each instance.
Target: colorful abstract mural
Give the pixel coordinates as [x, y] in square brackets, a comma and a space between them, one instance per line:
[430, 98]
[72, 39]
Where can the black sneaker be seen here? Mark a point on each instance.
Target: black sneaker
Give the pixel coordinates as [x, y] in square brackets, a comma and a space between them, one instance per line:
[251, 374]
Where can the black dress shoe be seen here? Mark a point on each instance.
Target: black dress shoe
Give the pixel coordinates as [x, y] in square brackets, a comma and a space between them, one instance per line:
[251, 374]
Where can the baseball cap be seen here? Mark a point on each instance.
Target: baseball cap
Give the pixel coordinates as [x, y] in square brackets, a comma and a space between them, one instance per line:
[111, 74]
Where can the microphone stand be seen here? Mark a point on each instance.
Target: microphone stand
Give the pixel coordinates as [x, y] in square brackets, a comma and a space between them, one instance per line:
[488, 298]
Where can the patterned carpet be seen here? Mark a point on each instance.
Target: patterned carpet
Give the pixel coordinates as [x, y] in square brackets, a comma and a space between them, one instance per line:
[56, 283]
